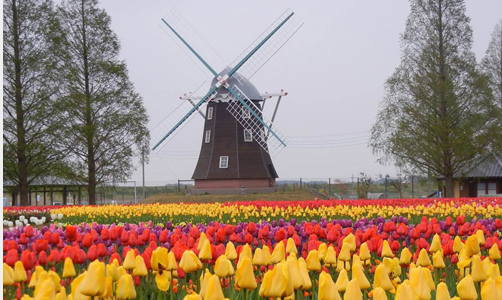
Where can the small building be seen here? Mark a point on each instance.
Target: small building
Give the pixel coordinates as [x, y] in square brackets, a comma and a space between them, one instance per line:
[482, 180]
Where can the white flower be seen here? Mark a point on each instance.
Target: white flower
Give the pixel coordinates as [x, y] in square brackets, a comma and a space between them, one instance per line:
[10, 224]
[25, 222]
[60, 216]
[11, 228]
[44, 219]
[32, 219]
[18, 223]
[5, 222]
[21, 218]
[53, 216]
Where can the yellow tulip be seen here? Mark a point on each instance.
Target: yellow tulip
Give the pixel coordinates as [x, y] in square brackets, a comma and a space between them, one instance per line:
[46, 291]
[68, 269]
[159, 260]
[43, 276]
[321, 251]
[364, 252]
[125, 288]
[244, 276]
[493, 271]
[93, 283]
[419, 282]
[276, 282]
[140, 269]
[405, 257]
[330, 257]
[342, 281]
[278, 253]
[386, 251]
[62, 294]
[472, 246]
[75, 286]
[478, 272]
[313, 263]
[307, 283]
[230, 251]
[458, 245]
[494, 252]
[489, 290]
[172, 265]
[111, 270]
[381, 278]
[190, 262]
[223, 267]
[193, 296]
[204, 282]
[466, 289]
[130, 260]
[327, 288]
[405, 292]
[379, 294]
[55, 279]
[435, 244]
[34, 276]
[214, 291]
[291, 247]
[8, 275]
[442, 292]
[437, 260]
[202, 239]
[481, 237]
[205, 252]
[358, 274]
[350, 240]
[423, 259]
[294, 270]
[108, 287]
[163, 280]
[344, 254]
[19, 272]
[353, 292]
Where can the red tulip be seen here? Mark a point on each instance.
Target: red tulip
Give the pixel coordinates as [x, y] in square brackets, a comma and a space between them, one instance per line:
[54, 238]
[11, 257]
[116, 256]
[80, 257]
[92, 252]
[29, 231]
[87, 240]
[124, 237]
[280, 235]
[105, 234]
[23, 240]
[40, 245]
[114, 233]
[28, 259]
[251, 228]
[54, 256]
[71, 233]
[42, 258]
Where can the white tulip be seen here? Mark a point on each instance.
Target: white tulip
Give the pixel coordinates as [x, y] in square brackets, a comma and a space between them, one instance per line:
[53, 216]
[21, 218]
[60, 216]
[10, 224]
[44, 219]
[5, 222]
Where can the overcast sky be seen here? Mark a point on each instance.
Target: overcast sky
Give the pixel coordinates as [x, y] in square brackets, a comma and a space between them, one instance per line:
[334, 70]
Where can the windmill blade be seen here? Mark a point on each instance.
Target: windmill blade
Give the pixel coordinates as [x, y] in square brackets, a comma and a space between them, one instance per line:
[258, 125]
[179, 26]
[172, 129]
[266, 45]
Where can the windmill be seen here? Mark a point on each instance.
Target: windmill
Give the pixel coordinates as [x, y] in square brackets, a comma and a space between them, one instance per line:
[238, 139]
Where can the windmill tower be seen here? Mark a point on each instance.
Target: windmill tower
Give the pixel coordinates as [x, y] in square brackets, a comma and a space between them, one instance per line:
[237, 139]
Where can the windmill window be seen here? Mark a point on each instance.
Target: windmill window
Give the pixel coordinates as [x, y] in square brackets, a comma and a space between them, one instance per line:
[208, 136]
[223, 162]
[492, 188]
[248, 135]
[246, 114]
[209, 113]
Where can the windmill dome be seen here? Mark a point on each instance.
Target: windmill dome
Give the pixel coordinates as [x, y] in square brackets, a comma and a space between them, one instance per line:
[238, 80]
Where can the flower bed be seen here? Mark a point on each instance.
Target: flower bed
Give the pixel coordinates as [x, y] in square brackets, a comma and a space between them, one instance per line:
[298, 250]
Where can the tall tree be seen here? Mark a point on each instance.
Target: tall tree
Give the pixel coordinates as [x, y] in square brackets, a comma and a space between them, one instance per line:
[30, 69]
[107, 118]
[492, 63]
[437, 114]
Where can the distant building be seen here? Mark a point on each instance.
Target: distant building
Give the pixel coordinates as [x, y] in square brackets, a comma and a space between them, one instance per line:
[481, 180]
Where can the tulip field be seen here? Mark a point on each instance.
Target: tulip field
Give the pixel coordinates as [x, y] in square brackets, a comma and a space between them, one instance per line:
[328, 249]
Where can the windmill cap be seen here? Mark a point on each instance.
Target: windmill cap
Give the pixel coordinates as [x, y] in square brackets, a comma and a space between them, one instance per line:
[242, 83]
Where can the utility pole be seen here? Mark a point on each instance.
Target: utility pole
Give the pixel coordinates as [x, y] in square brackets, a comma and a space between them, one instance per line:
[143, 161]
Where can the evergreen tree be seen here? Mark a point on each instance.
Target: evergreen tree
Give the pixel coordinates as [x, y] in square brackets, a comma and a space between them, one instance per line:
[437, 116]
[107, 120]
[492, 63]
